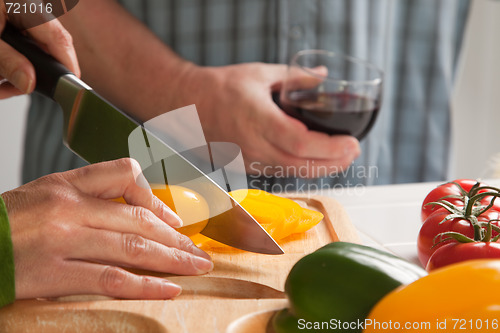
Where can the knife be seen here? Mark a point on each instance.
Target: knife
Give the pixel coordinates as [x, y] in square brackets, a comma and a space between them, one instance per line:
[97, 131]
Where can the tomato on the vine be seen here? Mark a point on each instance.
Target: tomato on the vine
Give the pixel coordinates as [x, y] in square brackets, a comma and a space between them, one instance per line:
[487, 201]
[433, 227]
[443, 191]
[428, 242]
[455, 252]
[458, 215]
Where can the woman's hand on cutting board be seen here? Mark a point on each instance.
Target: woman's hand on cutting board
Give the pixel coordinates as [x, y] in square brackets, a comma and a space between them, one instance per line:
[17, 75]
[70, 238]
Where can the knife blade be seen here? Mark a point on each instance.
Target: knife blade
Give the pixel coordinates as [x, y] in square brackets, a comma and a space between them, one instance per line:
[97, 131]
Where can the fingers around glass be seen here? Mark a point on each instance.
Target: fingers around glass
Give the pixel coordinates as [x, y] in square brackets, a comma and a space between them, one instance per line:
[332, 93]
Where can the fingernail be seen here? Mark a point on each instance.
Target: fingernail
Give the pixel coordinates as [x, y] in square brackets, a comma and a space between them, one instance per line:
[175, 288]
[203, 265]
[22, 81]
[352, 148]
[141, 181]
[174, 219]
[200, 253]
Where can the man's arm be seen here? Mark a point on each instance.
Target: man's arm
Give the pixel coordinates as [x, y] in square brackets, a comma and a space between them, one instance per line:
[122, 59]
[132, 68]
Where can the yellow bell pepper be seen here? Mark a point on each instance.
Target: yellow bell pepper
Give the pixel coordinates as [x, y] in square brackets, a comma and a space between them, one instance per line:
[308, 220]
[279, 216]
[264, 210]
[191, 207]
[457, 298]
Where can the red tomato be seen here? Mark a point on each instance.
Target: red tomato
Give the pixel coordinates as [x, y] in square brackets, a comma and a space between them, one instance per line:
[444, 190]
[433, 227]
[456, 252]
[487, 200]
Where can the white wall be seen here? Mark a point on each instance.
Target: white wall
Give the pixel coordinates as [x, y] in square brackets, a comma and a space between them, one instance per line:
[476, 97]
[12, 122]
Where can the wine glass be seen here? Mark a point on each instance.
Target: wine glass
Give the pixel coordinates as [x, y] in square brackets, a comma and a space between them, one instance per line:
[332, 93]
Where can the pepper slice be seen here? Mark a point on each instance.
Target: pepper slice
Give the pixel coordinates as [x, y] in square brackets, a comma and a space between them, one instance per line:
[279, 216]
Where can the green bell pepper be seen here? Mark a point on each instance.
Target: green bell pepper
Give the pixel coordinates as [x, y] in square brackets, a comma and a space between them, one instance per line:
[338, 284]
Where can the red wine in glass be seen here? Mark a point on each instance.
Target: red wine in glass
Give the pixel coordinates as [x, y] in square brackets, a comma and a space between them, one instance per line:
[331, 113]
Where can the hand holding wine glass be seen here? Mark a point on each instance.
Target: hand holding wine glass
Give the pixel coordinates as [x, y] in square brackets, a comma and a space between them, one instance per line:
[332, 93]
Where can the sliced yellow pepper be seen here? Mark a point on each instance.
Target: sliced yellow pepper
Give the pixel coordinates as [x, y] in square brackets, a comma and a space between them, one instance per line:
[191, 207]
[263, 209]
[308, 220]
[279, 216]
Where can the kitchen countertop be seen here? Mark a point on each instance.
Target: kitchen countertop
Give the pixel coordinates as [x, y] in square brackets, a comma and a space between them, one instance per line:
[388, 217]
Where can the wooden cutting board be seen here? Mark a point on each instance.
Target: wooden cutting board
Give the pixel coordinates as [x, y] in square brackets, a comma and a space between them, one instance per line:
[238, 296]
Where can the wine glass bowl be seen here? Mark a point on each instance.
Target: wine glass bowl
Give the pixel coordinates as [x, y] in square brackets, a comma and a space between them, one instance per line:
[332, 93]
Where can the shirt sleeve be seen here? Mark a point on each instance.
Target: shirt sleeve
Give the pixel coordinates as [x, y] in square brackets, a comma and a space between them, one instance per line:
[7, 278]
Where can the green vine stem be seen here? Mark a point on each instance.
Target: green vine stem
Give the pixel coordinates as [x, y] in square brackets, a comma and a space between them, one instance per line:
[479, 233]
[461, 189]
[487, 236]
[477, 197]
[474, 191]
[494, 227]
[483, 231]
[451, 235]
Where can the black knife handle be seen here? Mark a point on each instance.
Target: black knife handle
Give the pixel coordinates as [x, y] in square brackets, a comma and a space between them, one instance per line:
[47, 69]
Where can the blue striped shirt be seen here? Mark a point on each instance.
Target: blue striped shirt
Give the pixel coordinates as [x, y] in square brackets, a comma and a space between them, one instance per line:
[415, 42]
